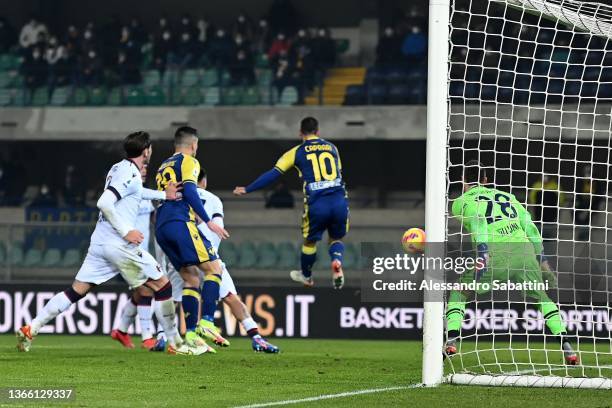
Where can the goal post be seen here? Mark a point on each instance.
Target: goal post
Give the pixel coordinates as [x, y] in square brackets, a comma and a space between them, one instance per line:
[524, 89]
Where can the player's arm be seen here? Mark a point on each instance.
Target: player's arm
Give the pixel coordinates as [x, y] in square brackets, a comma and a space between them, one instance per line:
[106, 205]
[283, 164]
[472, 216]
[190, 170]
[170, 193]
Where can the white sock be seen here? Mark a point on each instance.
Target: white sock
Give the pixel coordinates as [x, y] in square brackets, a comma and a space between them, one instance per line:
[164, 311]
[127, 316]
[56, 305]
[249, 324]
[145, 317]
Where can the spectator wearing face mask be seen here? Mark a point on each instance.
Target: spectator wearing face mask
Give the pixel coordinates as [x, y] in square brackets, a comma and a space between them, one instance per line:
[185, 56]
[53, 55]
[221, 49]
[34, 69]
[64, 69]
[301, 59]
[262, 37]
[242, 69]
[138, 33]
[186, 25]
[323, 50]
[163, 47]
[8, 37]
[414, 46]
[243, 26]
[389, 48]
[31, 32]
[91, 68]
[128, 59]
[283, 71]
[279, 44]
[73, 39]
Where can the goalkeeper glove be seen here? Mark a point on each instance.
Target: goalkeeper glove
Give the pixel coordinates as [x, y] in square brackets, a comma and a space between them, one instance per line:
[482, 261]
[547, 273]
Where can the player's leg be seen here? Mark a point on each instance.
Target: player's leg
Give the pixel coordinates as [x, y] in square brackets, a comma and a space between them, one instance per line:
[337, 229]
[455, 311]
[205, 325]
[213, 271]
[145, 317]
[128, 316]
[312, 231]
[241, 313]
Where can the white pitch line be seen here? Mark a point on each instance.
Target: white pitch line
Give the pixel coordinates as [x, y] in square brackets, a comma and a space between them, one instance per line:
[330, 396]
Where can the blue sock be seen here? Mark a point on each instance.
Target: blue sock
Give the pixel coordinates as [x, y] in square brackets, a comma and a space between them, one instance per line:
[191, 307]
[336, 250]
[309, 256]
[210, 295]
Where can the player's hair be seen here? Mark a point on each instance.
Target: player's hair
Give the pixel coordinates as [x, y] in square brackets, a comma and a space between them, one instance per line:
[474, 173]
[135, 143]
[183, 135]
[202, 174]
[309, 125]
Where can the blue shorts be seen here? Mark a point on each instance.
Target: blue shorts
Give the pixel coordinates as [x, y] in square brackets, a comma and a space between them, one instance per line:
[184, 244]
[327, 213]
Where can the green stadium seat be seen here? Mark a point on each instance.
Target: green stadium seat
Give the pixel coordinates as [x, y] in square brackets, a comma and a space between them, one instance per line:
[19, 97]
[155, 96]
[342, 45]
[98, 96]
[212, 96]
[79, 97]
[250, 96]
[71, 258]
[229, 254]
[6, 96]
[247, 255]
[190, 77]
[226, 78]
[6, 78]
[135, 96]
[2, 254]
[351, 256]
[192, 96]
[264, 77]
[151, 78]
[40, 96]
[51, 258]
[9, 62]
[32, 258]
[262, 61]
[115, 97]
[210, 78]
[170, 78]
[288, 256]
[60, 96]
[15, 254]
[288, 97]
[232, 96]
[267, 256]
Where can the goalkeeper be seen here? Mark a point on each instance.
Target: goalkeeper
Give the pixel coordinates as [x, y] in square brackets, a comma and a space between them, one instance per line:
[511, 247]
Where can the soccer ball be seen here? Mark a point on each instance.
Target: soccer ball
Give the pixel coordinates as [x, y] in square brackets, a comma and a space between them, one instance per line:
[413, 240]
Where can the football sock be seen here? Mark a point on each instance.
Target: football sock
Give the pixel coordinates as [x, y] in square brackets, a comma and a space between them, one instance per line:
[145, 317]
[553, 319]
[336, 250]
[454, 313]
[191, 307]
[210, 295]
[56, 305]
[309, 256]
[165, 312]
[127, 316]
[250, 326]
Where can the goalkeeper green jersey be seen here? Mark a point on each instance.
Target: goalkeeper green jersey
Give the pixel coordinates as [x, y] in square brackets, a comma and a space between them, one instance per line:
[495, 217]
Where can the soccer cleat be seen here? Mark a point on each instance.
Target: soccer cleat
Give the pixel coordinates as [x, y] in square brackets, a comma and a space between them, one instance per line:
[187, 350]
[261, 345]
[24, 339]
[122, 338]
[298, 276]
[207, 330]
[160, 345]
[194, 341]
[337, 274]
[148, 344]
[451, 347]
[571, 358]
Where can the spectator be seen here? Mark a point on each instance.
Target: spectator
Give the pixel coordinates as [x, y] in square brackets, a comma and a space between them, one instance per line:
[73, 40]
[280, 44]
[31, 33]
[414, 46]
[323, 50]
[243, 26]
[280, 197]
[8, 36]
[34, 69]
[262, 37]
[162, 27]
[138, 33]
[91, 68]
[44, 198]
[185, 56]
[88, 41]
[242, 70]
[186, 25]
[71, 192]
[64, 71]
[53, 55]
[221, 50]
[203, 28]
[302, 62]
[283, 71]
[163, 47]
[388, 50]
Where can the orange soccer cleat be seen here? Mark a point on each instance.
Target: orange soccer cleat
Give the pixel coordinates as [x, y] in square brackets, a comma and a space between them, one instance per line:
[122, 338]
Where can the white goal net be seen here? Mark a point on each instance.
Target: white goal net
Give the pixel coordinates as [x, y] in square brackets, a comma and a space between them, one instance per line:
[529, 104]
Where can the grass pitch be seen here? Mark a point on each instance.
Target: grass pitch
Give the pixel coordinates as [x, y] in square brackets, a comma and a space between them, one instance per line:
[105, 375]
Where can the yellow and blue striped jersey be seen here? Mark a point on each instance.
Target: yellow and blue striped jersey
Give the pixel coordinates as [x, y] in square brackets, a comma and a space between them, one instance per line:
[177, 168]
[319, 165]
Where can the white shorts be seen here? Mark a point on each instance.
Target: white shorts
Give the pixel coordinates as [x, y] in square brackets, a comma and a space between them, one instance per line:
[104, 262]
[227, 283]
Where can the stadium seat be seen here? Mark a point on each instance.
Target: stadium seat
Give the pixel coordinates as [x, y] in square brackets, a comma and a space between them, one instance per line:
[288, 256]
[151, 78]
[190, 77]
[32, 258]
[19, 97]
[192, 96]
[135, 96]
[226, 78]
[232, 96]
[6, 78]
[9, 62]
[2, 253]
[247, 255]
[264, 77]
[15, 254]
[396, 77]
[267, 256]
[355, 95]
[6, 97]
[288, 97]
[377, 94]
[154, 96]
[51, 258]
[60, 96]
[115, 97]
[71, 258]
[210, 77]
[342, 45]
[250, 96]
[80, 97]
[399, 94]
[212, 96]
[170, 78]
[40, 96]
[261, 60]
[98, 96]
[229, 254]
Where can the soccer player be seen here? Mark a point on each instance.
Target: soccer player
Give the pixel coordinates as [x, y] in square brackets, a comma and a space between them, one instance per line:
[178, 236]
[510, 247]
[115, 248]
[142, 298]
[227, 292]
[325, 202]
